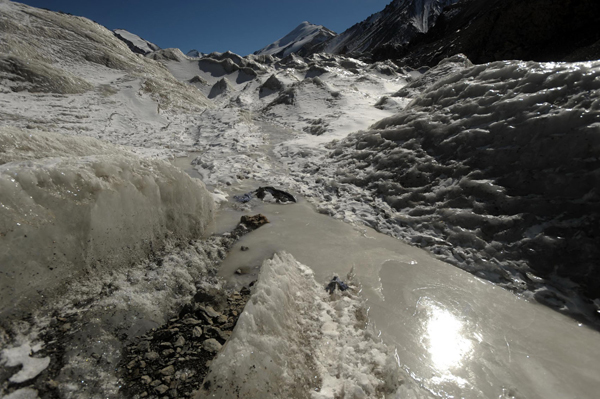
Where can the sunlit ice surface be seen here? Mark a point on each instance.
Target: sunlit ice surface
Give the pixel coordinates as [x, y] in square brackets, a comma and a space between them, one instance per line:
[455, 335]
[444, 339]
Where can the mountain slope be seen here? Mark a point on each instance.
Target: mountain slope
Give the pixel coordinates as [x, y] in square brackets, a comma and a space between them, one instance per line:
[305, 35]
[400, 21]
[135, 43]
[485, 31]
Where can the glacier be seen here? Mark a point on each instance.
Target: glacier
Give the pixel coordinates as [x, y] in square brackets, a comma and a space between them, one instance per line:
[497, 158]
[428, 190]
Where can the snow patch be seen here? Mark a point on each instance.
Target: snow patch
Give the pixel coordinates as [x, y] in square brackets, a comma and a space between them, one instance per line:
[21, 356]
[23, 393]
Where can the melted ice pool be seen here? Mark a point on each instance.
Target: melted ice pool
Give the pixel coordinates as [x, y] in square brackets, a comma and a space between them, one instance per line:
[456, 335]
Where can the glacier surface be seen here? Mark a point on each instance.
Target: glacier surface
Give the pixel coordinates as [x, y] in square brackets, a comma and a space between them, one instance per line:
[492, 168]
[296, 340]
[73, 206]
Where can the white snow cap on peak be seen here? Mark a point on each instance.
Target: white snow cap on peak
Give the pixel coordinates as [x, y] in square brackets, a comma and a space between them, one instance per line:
[304, 35]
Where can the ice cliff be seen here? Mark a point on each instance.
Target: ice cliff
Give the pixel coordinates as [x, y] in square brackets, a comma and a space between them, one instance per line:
[494, 167]
[73, 206]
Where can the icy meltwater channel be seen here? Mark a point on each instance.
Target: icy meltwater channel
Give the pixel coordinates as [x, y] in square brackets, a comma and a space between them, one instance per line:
[455, 335]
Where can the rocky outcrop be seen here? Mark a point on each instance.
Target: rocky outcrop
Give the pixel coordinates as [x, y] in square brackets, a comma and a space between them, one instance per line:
[135, 43]
[222, 86]
[174, 358]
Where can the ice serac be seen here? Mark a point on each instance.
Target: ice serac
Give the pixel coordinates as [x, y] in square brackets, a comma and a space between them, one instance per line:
[494, 167]
[70, 206]
[135, 43]
[399, 22]
[305, 36]
[292, 339]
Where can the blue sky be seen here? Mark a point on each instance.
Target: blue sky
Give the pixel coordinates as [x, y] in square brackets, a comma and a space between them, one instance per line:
[242, 26]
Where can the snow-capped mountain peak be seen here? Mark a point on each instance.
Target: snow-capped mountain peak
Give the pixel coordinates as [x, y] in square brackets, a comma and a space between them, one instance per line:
[304, 35]
[135, 43]
[195, 53]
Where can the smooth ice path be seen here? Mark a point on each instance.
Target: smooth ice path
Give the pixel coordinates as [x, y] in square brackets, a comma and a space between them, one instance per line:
[456, 335]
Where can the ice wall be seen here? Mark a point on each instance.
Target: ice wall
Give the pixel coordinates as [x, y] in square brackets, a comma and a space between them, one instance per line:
[294, 340]
[495, 168]
[71, 206]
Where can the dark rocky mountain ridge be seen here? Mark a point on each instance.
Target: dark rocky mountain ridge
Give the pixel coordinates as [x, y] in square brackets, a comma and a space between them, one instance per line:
[493, 30]
[399, 22]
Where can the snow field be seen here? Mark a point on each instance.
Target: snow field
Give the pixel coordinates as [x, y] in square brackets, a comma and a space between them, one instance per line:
[65, 73]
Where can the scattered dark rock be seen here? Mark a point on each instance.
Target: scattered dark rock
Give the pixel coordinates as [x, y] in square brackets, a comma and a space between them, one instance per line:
[169, 370]
[197, 341]
[243, 198]
[211, 345]
[315, 70]
[280, 196]
[243, 248]
[146, 379]
[197, 332]
[254, 222]
[210, 312]
[316, 127]
[162, 389]
[272, 84]
[336, 283]
[198, 79]
[287, 97]
[145, 353]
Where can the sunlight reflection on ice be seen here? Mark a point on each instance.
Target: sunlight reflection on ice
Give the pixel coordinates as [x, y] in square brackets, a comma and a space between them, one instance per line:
[447, 346]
